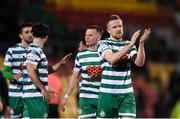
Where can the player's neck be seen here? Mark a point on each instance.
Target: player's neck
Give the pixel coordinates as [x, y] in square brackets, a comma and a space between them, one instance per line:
[112, 38]
[93, 47]
[39, 42]
[24, 44]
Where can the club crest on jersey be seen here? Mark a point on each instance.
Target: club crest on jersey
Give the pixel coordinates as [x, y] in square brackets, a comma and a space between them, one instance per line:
[80, 111]
[94, 72]
[102, 113]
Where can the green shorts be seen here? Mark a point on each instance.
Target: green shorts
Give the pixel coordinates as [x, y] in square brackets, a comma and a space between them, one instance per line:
[37, 107]
[18, 107]
[113, 106]
[16, 104]
[87, 107]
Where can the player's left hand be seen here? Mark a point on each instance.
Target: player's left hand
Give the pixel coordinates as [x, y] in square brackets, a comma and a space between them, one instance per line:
[145, 36]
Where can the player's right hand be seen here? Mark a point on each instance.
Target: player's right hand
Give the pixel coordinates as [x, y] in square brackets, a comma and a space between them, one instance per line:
[46, 94]
[66, 58]
[134, 37]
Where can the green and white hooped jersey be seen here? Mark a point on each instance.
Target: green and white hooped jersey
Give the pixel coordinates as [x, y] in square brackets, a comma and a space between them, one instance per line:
[88, 63]
[35, 55]
[14, 58]
[115, 80]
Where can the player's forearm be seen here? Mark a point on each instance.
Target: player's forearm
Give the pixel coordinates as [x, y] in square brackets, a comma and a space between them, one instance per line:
[54, 68]
[116, 56]
[140, 59]
[72, 85]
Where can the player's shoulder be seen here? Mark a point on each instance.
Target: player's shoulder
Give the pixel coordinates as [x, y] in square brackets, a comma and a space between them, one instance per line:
[125, 40]
[87, 52]
[82, 52]
[103, 41]
[34, 47]
[14, 47]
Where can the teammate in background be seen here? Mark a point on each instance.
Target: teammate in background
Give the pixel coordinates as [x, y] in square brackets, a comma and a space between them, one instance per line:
[82, 45]
[35, 76]
[12, 70]
[88, 65]
[116, 97]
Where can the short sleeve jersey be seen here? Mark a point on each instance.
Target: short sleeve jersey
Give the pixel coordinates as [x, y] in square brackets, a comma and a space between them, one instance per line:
[88, 63]
[35, 55]
[14, 58]
[115, 80]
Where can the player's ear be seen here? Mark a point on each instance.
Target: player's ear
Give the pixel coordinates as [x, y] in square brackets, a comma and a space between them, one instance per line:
[20, 36]
[99, 37]
[107, 29]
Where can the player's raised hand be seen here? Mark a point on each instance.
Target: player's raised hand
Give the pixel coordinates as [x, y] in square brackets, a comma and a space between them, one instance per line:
[145, 36]
[134, 37]
[66, 58]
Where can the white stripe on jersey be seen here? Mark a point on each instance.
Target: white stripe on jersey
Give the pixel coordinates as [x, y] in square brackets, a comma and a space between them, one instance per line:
[117, 91]
[91, 83]
[14, 86]
[87, 115]
[29, 61]
[116, 82]
[27, 87]
[89, 59]
[115, 73]
[86, 53]
[15, 94]
[40, 70]
[127, 114]
[85, 95]
[89, 89]
[33, 94]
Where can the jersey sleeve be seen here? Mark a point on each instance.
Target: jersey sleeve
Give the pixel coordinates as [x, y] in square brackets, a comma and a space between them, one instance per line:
[102, 48]
[7, 73]
[77, 66]
[8, 58]
[133, 51]
[33, 56]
